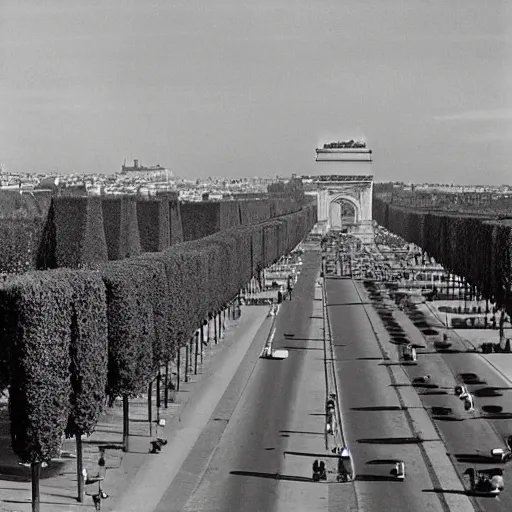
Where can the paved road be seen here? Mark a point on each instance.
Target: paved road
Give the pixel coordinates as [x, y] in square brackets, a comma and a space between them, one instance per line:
[276, 406]
[468, 436]
[373, 422]
[280, 408]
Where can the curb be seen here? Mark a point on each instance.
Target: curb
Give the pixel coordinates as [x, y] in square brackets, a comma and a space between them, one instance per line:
[503, 375]
[330, 369]
[332, 383]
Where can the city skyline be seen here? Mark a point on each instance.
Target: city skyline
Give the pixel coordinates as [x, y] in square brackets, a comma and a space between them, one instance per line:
[241, 89]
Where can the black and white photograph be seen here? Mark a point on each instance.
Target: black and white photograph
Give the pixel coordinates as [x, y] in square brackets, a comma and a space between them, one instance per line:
[255, 256]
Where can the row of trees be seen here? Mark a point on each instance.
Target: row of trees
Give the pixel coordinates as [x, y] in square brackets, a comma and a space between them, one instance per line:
[469, 202]
[68, 337]
[42, 231]
[204, 218]
[477, 248]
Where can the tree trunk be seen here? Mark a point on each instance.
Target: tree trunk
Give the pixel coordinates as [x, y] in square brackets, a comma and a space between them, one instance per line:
[186, 362]
[126, 423]
[178, 370]
[215, 329]
[220, 325]
[79, 467]
[166, 390]
[196, 337]
[36, 472]
[150, 408]
[202, 340]
[502, 331]
[158, 401]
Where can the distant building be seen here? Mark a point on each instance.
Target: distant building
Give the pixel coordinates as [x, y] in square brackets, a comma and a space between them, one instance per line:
[136, 167]
[49, 183]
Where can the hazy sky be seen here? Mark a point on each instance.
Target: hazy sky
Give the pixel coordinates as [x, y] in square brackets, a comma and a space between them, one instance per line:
[239, 88]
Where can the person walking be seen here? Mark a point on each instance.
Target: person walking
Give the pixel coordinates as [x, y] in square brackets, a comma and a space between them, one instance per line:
[290, 287]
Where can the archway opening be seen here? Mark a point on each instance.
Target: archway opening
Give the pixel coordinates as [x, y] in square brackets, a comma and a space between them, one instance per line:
[342, 215]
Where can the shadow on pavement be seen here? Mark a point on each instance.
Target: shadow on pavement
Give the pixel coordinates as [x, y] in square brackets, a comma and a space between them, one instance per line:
[303, 348]
[292, 338]
[391, 440]
[441, 411]
[496, 416]
[489, 391]
[474, 458]
[272, 476]
[446, 418]
[438, 490]
[492, 409]
[376, 462]
[43, 502]
[301, 432]
[447, 351]
[108, 445]
[351, 304]
[379, 408]
[376, 478]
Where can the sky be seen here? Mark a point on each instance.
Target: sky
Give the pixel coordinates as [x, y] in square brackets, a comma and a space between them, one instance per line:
[236, 88]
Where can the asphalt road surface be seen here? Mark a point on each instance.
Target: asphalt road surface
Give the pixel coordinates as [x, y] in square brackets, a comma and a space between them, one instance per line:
[468, 436]
[375, 427]
[281, 408]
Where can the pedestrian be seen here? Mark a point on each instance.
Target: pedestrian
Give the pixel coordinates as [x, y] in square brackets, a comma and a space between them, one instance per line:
[102, 473]
[290, 287]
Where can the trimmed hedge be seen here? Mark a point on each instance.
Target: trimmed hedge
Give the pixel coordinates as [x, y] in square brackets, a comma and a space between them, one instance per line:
[130, 329]
[88, 351]
[22, 222]
[176, 235]
[75, 237]
[229, 214]
[153, 277]
[121, 227]
[477, 248]
[200, 219]
[254, 211]
[197, 281]
[154, 224]
[36, 312]
[58, 324]
[83, 232]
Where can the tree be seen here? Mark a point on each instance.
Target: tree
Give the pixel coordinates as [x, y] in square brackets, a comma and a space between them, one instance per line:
[88, 355]
[130, 334]
[36, 309]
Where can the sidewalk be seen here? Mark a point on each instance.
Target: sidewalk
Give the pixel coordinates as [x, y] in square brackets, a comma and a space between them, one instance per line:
[135, 478]
[472, 339]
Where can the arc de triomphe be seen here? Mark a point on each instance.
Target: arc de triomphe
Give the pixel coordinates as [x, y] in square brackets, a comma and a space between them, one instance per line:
[345, 176]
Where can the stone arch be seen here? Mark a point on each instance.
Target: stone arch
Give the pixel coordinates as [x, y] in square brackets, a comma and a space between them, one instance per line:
[341, 198]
